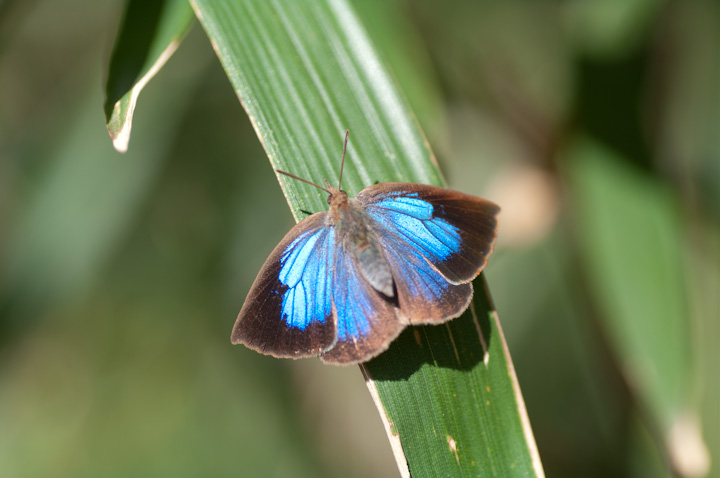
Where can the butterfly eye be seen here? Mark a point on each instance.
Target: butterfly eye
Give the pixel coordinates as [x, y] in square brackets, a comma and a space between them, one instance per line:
[329, 199]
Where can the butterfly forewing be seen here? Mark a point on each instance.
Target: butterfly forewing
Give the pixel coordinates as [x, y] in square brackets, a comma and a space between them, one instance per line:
[453, 231]
[288, 312]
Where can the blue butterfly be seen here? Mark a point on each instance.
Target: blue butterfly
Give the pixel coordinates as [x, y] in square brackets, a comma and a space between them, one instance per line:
[344, 283]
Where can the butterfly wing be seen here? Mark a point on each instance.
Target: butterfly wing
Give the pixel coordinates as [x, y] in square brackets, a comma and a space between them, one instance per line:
[367, 322]
[288, 311]
[436, 240]
[425, 296]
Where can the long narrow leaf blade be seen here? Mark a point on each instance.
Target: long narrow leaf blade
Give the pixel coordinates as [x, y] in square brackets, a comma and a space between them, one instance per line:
[305, 71]
[451, 395]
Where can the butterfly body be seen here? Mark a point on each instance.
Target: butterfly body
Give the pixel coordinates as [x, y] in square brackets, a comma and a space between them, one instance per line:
[344, 283]
[353, 231]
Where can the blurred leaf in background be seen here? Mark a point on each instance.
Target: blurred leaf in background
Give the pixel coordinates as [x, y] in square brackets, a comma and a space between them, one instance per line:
[594, 126]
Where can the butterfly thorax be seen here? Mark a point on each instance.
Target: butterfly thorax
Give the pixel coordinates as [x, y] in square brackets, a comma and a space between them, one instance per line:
[357, 239]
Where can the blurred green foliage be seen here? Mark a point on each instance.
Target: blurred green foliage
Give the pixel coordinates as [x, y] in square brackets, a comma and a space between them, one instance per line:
[595, 127]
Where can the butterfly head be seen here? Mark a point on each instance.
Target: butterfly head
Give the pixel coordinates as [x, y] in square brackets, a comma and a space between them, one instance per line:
[336, 196]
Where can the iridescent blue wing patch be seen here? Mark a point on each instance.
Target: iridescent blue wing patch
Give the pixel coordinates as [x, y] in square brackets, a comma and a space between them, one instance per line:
[366, 321]
[288, 311]
[453, 231]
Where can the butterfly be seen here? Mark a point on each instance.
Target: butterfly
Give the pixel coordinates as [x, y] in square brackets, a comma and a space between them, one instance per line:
[344, 283]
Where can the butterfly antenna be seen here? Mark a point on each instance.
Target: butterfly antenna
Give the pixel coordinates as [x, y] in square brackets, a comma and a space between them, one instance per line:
[303, 180]
[342, 161]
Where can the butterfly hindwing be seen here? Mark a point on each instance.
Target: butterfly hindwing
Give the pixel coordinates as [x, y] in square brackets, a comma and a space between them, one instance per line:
[425, 296]
[453, 231]
[366, 321]
[288, 311]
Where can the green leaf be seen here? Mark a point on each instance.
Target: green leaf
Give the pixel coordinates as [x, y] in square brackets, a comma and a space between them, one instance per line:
[452, 399]
[305, 71]
[630, 232]
[150, 34]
